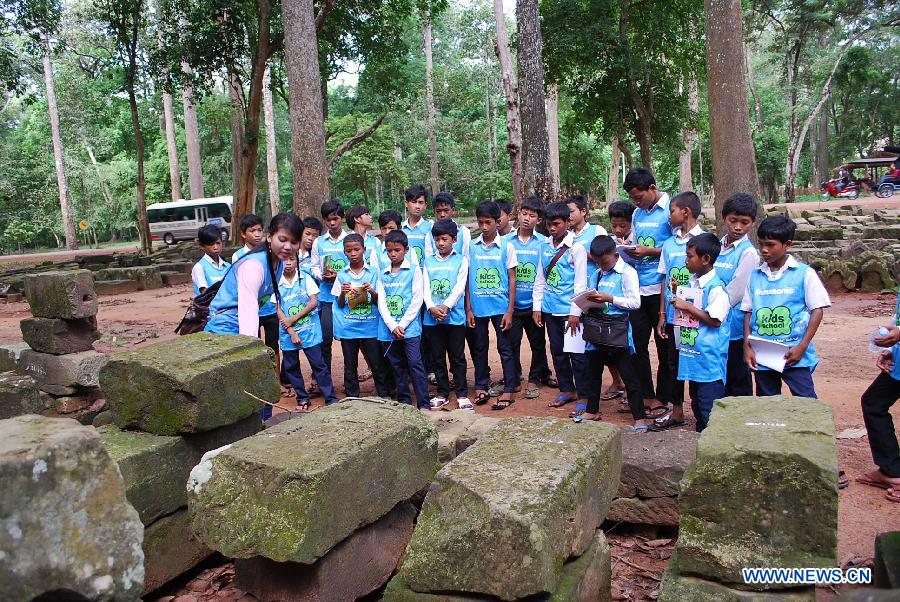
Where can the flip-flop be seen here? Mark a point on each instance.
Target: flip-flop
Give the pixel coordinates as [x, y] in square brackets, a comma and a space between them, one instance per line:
[579, 409]
[657, 412]
[892, 495]
[580, 418]
[550, 382]
[872, 482]
[640, 428]
[843, 481]
[482, 398]
[495, 389]
[532, 391]
[661, 424]
[560, 401]
[502, 404]
[611, 395]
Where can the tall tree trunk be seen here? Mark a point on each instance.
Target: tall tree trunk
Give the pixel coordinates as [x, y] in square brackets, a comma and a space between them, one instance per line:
[814, 150]
[429, 103]
[688, 138]
[551, 105]
[130, 78]
[822, 156]
[192, 141]
[511, 92]
[643, 109]
[171, 147]
[271, 151]
[309, 170]
[58, 157]
[537, 174]
[235, 97]
[757, 104]
[733, 156]
[612, 179]
[489, 116]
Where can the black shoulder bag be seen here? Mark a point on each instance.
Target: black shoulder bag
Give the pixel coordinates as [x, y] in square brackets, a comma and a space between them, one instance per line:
[603, 329]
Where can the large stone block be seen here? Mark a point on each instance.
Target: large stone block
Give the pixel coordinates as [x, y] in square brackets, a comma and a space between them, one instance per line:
[65, 524]
[73, 370]
[66, 295]
[458, 430]
[19, 395]
[587, 578]
[295, 490]
[190, 384]
[170, 549]
[502, 518]
[147, 277]
[57, 336]
[653, 463]
[762, 491]
[644, 511]
[10, 355]
[116, 287]
[886, 572]
[357, 566]
[676, 587]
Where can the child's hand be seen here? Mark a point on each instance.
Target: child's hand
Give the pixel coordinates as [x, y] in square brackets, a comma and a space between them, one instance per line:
[537, 317]
[673, 285]
[680, 304]
[890, 339]
[640, 251]
[885, 362]
[600, 297]
[398, 333]
[367, 287]
[328, 274]
[574, 324]
[295, 338]
[436, 313]
[794, 355]
[750, 357]
[661, 328]
[506, 321]
[285, 321]
[346, 288]
[470, 318]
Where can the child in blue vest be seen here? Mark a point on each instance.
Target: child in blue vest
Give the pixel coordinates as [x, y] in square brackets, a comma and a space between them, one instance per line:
[684, 209]
[328, 256]
[650, 229]
[415, 226]
[490, 299]
[583, 232]
[400, 298]
[445, 274]
[300, 329]
[211, 268]
[251, 227]
[356, 318]
[359, 220]
[312, 229]
[444, 206]
[528, 244]
[736, 262]
[504, 225]
[784, 302]
[388, 221]
[618, 290]
[561, 273]
[703, 351]
[876, 404]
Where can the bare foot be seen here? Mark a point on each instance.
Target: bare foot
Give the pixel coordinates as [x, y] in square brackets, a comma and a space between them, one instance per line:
[876, 478]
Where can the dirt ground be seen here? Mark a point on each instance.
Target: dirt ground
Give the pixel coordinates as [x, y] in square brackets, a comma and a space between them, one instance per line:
[846, 369]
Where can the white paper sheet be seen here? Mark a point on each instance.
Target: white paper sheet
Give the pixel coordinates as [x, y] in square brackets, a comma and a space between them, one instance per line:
[769, 353]
[622, 250]
[581, 300]
[573, 343]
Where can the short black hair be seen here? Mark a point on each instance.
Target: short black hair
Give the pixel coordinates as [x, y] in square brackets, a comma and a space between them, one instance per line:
[706, 244]
[487, 209]
[313, 224]
[248, 221]
[640, 178]
[443, 198]
[332, 206]
[209, 234]
[777, 227]
[414, 192]
[396, 236]
[444, 226]
[354, 237]
[556, 211]
[602, 245]
[535, 204]
[621, 210]
[389, 215]
[687, 200]
[741, 203]
[354, 213]
[578, 200]
[505, 206]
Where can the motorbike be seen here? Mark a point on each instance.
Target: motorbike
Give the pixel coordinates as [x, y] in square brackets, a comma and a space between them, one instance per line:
[849, 191]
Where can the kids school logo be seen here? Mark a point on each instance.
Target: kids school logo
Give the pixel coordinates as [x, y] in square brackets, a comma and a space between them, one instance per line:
[395, 305]
[487, 278]
[688, 336]
[554, 276]
[681, 275]
[440, 287]
[647, 241]
[419, 252]
[296, 309]
[773, 321]
[336, 264]
[525, 272]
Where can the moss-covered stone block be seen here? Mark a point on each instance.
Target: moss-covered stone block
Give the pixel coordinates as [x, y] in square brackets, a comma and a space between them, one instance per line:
[295, 490]
[502, 518]
[19, 395]
[170, 549]
[80, 369]
[886, 572]
[57, 336]
[762, 491]
[191, 384]
[66, 295]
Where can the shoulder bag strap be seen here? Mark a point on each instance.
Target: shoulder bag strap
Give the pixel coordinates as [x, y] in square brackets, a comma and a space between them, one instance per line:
[555, 259]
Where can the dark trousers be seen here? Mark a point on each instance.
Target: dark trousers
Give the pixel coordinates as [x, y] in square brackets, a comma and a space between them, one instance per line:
[426, 346]
[621, 359]
[480, 352]
[449, 342]
[798, 380]
[371, 350]
[290, 370]
[472, 343]
[405, 357]
[643, 322]
[325, 318]
[702, 397]
[674, 385]
[269, 325]
[737, 375]
[570, 368]
[876, 403]
[523, 322]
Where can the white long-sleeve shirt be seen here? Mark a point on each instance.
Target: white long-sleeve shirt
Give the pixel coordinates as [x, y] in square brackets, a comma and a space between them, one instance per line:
[630, 299]
[748, 261]
[415, 305]
[577, 258]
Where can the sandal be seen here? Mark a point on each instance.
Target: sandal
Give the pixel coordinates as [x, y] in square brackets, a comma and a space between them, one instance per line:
[481, 398]
[532, 391]
[580, 408]
[611, 394]
[892, 495]
[865, 479]
[551, 382]
[657, 412]
[495, 389]
[581, 418]
[843, 481]
[560, 401]
[364, 376]
[303, 406]
[640, 428]
[661, 424]
[502, 404]
[288, 391]
[314, 390]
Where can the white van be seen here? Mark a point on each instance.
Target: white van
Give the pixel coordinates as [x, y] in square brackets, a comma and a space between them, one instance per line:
[180, 220]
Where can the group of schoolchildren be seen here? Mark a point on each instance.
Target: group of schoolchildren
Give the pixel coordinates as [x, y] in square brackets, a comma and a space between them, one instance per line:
[414, 300]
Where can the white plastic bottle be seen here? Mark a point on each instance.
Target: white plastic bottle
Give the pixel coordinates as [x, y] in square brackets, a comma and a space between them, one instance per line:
[881, 332]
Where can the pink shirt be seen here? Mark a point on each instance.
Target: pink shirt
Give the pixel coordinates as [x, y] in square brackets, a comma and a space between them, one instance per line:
[250, 279]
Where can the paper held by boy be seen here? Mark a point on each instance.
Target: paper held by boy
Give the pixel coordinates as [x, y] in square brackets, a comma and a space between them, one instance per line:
[582, 301]
[623, 250]
[573, 343]
[769, 353]
[356, 297]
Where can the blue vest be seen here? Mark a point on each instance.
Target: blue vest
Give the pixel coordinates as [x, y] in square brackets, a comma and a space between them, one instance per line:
[293, 299]
[651, 229]
[703, 351]
[458, 245]
[372, 246]
[239, 253]
[416, 236]
[611, 283]
[223, 315]
[560, 281]
[337, 260]
[779, 310]
[488, 278]
[362, 321]
[895, 350]
[211, 272]
[675, 254]
[441, 278]
[528, 254]
[726, 266]
[587, 236]
[306, 265]
[398, 293]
